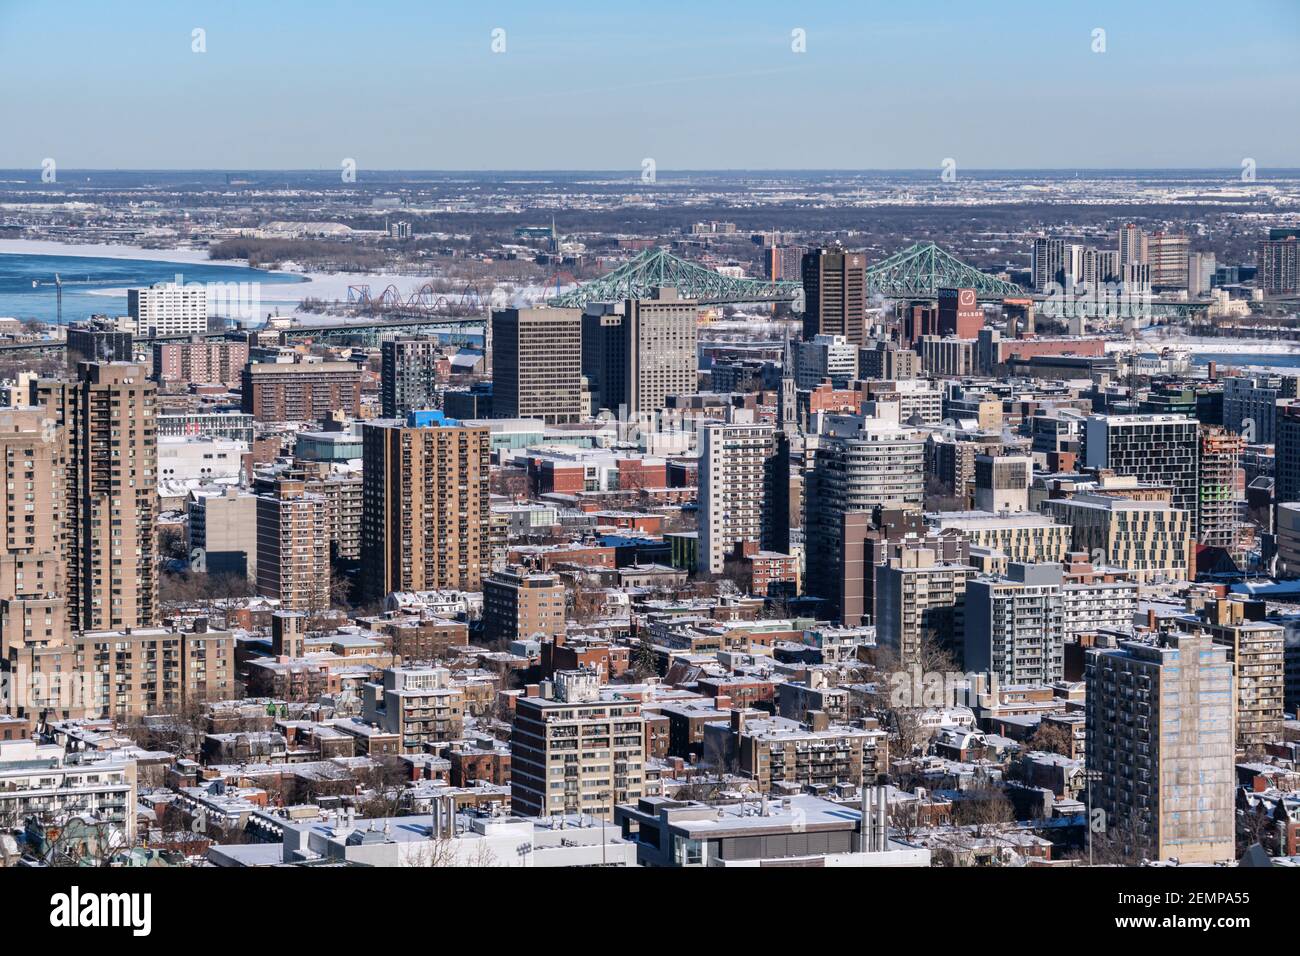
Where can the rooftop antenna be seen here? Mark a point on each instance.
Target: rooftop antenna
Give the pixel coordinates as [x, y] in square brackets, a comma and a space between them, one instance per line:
[58, 296]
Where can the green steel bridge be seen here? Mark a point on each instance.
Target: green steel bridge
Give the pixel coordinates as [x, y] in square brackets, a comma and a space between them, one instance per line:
[917, 272]
[658, 267]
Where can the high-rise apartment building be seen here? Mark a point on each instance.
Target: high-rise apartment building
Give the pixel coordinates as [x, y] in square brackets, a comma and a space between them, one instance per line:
[32, 603]
[860, 464]
[169, 308]
[342, 491]
[410, 370]
[1167, 257]
[1278, 263]
[1090, 266]
[920, 599]
[1250, 405]
[1015, 624]
[783, 262]
[1132, 246]
[1200, 273]
[300, 391]
[734, 479]
[199, 362]
[1156, 449]
[293, 554]
[1155, 260]
[876, 537]
[576, 748]
[1222, 488]
[1256, 649]
[109, 427]
[640, 352]
[1135, 278]
[537, 364]
[1096, 599]
[1286, 458]
[126, 673]
[425, 517]
[835, 294]
[1047, 263]
[1160, 740]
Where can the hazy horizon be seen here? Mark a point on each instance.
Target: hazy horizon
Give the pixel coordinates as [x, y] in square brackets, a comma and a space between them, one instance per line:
[520, 170]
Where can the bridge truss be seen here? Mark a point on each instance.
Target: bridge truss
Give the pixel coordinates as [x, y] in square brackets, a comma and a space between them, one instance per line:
[658, 267]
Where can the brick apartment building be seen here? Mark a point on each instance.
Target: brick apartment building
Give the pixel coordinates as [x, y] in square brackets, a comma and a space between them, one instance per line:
[300, 391]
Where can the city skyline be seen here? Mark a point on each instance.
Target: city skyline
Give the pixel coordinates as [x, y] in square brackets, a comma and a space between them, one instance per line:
[585, 438]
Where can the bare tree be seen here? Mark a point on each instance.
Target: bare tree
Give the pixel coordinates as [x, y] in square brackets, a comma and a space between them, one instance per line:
[644, 661]
[984, 808]
[1051, 738]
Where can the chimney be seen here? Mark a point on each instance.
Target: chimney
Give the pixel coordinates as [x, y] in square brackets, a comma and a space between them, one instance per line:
[883, 807]
[866, 830]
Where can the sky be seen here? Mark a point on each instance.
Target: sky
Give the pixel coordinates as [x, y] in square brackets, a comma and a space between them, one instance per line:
[605, 84]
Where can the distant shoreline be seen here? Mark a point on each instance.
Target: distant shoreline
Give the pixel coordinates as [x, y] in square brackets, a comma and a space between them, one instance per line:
[278, 289]
[87, 250]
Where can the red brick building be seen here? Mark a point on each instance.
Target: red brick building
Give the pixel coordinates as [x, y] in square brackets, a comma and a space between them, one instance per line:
[300, 391]
[199, 362]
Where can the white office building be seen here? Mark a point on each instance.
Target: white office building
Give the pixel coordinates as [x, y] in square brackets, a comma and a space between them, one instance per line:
[168, 308]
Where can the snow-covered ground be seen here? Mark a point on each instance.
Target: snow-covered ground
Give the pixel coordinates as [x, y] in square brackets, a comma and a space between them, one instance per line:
[318, 285]
[1219, 346]
[47, 247]
[275, 290]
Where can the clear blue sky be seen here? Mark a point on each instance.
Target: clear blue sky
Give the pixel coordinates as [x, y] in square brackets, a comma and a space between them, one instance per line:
[601, 84]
